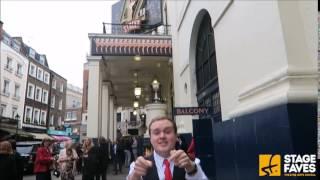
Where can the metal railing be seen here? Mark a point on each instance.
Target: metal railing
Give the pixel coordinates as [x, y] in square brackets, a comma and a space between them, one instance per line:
[111, 28]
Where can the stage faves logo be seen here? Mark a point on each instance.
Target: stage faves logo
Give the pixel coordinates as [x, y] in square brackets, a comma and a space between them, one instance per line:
[299, 165]
[269, 165]
[293, 165]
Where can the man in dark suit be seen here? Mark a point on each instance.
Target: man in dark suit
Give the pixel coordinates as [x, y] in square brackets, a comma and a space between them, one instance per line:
[117, 155]
[104, 157]
[18, 159]
[165, 162]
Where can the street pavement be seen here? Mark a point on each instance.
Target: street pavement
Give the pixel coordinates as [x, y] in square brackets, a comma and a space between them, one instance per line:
[110, 176]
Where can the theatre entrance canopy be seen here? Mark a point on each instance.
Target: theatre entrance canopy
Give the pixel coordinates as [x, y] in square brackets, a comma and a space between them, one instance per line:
[118, 63]
[132, 60]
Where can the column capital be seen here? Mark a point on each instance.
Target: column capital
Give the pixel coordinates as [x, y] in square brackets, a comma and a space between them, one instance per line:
[109, 84]
[94, 59]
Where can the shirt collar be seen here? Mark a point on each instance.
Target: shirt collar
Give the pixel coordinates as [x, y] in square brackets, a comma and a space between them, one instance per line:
[159, 159]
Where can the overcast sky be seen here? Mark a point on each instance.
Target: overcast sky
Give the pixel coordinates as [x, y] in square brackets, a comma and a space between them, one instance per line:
[59, 29]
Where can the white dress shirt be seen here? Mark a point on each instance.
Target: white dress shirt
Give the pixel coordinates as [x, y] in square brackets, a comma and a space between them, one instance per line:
[199, 175]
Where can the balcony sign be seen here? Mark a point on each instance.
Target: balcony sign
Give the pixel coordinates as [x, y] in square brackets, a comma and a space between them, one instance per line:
[192, 111]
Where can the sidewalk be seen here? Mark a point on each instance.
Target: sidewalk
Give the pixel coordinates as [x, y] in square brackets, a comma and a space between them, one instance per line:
[122, 176]
[110, 176]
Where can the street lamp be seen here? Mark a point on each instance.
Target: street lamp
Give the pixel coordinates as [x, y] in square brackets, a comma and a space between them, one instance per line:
[17, 117]
[155, 86]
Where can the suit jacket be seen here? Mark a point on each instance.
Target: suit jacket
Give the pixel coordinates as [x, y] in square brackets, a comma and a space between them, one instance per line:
[152, 173]
[8, 168]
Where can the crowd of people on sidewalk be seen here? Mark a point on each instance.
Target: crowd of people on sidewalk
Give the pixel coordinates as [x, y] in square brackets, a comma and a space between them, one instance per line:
[92, 158]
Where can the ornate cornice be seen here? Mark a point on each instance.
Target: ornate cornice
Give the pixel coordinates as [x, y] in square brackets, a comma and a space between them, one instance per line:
[131, 45]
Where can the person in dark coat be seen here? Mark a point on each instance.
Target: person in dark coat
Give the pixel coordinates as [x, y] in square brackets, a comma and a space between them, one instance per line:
[91, 160]
[79, 162]
[18, 159]
[117, 155]
[8, 169]
[104, 154]
[181, 143]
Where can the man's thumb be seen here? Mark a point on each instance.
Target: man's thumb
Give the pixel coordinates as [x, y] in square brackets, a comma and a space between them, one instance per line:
[149, 163]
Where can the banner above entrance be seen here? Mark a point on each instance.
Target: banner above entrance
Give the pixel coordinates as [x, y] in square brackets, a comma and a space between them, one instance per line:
[192, 111]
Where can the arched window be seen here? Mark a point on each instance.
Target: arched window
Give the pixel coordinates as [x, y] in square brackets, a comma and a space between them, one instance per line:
[206, 70]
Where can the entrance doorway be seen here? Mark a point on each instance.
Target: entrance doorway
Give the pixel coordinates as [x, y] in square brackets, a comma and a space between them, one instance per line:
[208, 95]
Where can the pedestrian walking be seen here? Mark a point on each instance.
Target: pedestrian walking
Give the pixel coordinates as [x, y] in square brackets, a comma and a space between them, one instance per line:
[134, 147]
[117, 156]
[127, 147]
[91, 160]
[43, 161]
[104, 154]
[79, 161]
[18, 159]
[68, 164]
[67, 159]
[8, 169]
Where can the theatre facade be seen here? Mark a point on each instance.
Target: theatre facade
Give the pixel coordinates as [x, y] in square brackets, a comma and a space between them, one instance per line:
[241, 77]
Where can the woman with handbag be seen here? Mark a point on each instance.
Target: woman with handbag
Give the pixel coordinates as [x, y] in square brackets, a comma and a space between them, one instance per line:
[68, 165]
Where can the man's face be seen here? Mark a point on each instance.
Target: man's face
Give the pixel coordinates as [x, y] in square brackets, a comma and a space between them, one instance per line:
[162, 137]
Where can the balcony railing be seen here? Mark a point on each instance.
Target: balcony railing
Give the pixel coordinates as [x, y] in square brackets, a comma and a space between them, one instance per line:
[141, 29]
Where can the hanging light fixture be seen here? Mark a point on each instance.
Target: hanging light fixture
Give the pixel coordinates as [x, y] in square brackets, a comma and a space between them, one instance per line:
[135, 112]
[135, 104]
[137, 58]
[137, 91]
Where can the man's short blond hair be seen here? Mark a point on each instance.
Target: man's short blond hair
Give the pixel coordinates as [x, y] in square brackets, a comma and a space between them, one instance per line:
[161, 118]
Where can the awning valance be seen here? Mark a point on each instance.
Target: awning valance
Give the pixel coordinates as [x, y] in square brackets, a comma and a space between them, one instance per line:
[41, 136]
[62, 138]
[20, 132]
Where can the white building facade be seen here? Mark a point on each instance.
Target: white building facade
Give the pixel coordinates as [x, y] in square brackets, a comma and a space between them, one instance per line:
[73, 116]
[14, 70]
[253, 64]
[263, 89]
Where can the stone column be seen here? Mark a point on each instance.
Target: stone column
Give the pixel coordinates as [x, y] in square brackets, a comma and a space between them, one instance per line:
[94, 99]
[154, 110]
[115, 134]
[111, 118]
[105, 110]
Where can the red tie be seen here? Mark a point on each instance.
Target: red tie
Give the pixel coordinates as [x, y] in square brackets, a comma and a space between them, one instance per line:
[167, 171]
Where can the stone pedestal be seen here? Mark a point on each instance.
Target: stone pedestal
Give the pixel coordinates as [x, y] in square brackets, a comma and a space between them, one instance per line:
[154, 110]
